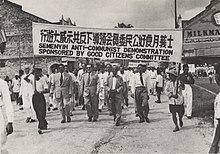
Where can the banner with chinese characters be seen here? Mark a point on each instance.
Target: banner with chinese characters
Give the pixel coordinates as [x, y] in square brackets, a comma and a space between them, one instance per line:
[136, 44]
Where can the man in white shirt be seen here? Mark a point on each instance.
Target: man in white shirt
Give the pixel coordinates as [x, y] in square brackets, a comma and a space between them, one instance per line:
[82, 70]
[52, 97]
[140, 93]
[108, 73]
[102, 82]
[6, 127]
[40, 88]
[115, 87]
[16, 85]
[159, 85]
[125, 84]
[26, 92]
[153, 76]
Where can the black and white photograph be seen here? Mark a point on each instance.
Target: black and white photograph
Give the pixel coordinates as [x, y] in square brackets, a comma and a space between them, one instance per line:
[109, 76]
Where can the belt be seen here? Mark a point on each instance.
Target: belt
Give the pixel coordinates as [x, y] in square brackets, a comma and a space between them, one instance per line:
[140, 87]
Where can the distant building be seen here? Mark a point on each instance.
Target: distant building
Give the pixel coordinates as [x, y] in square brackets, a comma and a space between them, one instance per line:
[202, 35]
[17, 25]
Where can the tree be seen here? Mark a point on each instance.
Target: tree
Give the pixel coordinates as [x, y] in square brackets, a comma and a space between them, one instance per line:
[123, 25]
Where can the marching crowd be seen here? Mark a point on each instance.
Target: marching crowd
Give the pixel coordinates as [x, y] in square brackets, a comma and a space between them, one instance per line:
[94, 88]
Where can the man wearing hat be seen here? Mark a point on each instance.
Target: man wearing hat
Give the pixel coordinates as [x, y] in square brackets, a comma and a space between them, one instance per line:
[175, 98]
[16, 85]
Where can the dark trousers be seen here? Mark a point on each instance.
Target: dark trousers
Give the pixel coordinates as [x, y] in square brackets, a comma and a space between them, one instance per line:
[214, 147]
[125, 93]
[141, 99]
[115, 104]
[39, 104]
[20, 101]
[91, 103]
[16, 97]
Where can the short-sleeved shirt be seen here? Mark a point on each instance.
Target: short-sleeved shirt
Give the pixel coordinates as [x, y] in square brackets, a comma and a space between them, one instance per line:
[171, 90]
[159, 80]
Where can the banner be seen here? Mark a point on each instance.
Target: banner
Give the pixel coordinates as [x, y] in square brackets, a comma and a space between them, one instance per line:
[133, 44]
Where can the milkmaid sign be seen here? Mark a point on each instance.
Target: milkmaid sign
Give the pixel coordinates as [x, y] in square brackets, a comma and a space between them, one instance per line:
[163, 45]
[202, 33]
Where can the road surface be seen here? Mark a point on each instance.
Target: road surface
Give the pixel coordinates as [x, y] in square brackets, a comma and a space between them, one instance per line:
[81, 136]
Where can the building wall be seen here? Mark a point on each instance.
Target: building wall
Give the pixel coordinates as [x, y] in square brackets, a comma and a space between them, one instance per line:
[19, 50]
[202, 34]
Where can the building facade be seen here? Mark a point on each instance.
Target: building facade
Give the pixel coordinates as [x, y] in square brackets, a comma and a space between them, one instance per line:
[202, 36]
[17, 25]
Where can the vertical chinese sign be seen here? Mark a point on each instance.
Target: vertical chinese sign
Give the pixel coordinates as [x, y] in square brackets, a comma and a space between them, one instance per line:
[164, 45]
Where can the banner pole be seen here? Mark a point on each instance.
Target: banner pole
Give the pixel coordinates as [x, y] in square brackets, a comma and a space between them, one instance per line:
[34, 74]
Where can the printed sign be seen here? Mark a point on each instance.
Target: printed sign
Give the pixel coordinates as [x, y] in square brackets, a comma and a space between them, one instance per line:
[136, 44]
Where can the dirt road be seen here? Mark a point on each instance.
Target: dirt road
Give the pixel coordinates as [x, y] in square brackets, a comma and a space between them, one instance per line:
[80, 136]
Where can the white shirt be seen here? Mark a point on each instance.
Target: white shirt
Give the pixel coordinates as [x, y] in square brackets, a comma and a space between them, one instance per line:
[217, 106]
[80, 73]
[45, 78]
[124, 76]
[159, 79]
[16, 84]
[171, 90]
[26, 87]
[102, 79]
[5, 100]
[114, 83]
[137, 81]
[41, 85]
[153, 74]
[51, 78]
[73, 76]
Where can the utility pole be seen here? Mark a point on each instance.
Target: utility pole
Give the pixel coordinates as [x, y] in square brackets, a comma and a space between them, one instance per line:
[175, 14]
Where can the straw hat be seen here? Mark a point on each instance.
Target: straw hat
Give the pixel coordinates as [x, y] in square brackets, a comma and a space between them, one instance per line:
[173, 72]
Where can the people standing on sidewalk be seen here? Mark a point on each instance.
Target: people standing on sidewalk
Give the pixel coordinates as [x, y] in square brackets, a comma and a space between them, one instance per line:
[16, 85]
[187, 78]
[125, 85]
[159, 85]
[216, 134]
[6, 115]
[26, 92]
[140, 93]
[62, 88]
[175, 98]
[115, 87]
[89, 89]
